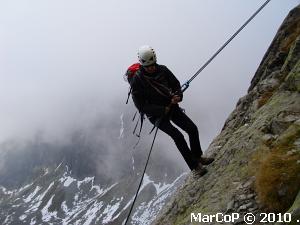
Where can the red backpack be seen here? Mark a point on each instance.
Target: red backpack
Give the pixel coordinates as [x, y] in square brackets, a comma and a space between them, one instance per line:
[130, 73]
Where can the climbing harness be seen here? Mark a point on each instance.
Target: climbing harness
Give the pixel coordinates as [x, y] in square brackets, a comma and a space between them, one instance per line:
[184, 87]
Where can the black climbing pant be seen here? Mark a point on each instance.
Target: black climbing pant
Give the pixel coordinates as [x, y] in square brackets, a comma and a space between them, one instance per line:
[179, 118]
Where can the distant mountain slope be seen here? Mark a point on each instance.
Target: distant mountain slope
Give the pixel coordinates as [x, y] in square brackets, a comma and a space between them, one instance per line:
[55, 197]
[89, 179]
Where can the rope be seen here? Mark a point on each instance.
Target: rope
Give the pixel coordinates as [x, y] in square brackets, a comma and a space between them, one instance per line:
[186, 85]
[141, 181]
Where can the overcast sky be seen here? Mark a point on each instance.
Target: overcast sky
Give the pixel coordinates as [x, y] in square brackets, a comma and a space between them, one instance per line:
[62, 61]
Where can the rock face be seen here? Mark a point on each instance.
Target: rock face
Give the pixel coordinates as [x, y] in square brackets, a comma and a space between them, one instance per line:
[257, 154]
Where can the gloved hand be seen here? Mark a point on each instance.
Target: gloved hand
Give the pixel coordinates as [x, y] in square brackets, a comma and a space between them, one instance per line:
[175, 99]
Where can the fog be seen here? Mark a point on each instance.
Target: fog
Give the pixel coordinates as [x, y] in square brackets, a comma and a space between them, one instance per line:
[62, 62]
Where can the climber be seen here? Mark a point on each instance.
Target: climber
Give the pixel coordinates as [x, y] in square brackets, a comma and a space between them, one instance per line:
[156, 92]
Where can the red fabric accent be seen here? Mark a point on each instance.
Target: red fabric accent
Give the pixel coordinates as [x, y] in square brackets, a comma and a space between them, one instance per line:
[132, 69]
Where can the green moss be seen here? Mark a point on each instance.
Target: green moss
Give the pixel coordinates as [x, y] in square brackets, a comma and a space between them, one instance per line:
[275, 102]
[289, 136]
[293, 50]
[293, 79]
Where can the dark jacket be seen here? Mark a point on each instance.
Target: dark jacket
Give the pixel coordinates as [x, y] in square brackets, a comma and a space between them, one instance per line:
[151, 93]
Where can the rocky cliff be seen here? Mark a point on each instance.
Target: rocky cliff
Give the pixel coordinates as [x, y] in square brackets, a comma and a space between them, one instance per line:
[257, 153]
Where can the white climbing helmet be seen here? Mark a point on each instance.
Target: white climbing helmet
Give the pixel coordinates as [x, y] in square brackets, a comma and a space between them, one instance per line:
[146, 55]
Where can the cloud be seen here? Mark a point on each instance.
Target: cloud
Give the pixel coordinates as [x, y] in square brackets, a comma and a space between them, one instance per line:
[62, 63]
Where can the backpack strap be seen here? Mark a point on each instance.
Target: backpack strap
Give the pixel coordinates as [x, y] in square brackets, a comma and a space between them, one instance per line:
[137, 123]
[141, 120]
[128, 95]
[161, 89]
[156, 124]
[142, 117]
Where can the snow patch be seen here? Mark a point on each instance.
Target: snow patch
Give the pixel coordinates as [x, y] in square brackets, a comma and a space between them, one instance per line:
[23, 188]
[64, 207]
[109, 211]
[75, 198]
[122, 127]
[58, 167]
[145, 213]
[29, 197]
[108, 189]
[5, 191]
[85, 180]
[8, 219]
[132, 159]
[68, 181]
[46, 215]
[46, 171]
[146, 181]
[38, 200]
[23, 217]
[33, 221]
[124, 208]
[97, 188]
[91, 213]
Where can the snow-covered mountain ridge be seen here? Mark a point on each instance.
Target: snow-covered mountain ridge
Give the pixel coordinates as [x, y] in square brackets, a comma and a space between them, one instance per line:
[56, 197]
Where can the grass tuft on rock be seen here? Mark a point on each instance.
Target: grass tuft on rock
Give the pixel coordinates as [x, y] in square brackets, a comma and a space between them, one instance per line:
[277, 173]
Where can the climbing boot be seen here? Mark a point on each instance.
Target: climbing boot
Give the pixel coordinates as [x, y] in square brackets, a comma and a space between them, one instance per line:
[199, 171]
[205, 161]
